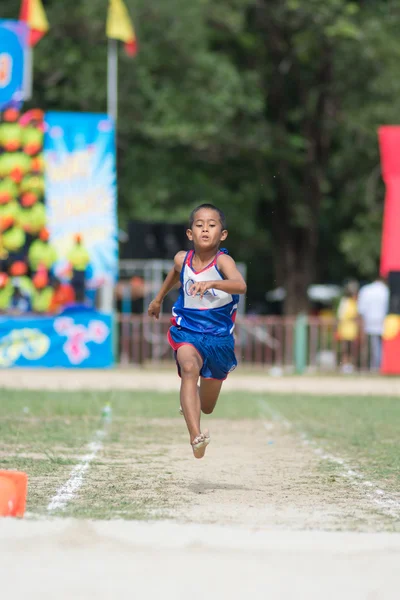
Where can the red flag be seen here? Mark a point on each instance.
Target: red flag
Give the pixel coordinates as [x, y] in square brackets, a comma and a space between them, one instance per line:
[32, 12]
[131, 47]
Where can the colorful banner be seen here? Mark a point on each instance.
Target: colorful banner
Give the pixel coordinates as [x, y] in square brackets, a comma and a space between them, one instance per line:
[389, 143]
[81, 189]
[13, 41]
[77, 338]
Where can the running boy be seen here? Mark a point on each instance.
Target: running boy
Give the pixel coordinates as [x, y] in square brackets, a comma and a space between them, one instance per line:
[203, 318]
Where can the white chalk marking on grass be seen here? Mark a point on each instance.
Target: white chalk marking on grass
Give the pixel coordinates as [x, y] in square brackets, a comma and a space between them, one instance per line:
[386, 503]
[67, 491]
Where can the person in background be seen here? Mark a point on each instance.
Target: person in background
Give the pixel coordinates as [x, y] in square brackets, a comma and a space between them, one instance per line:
[42, 293]
[63, 295]
[20, 302]
[79, 259]
[373, 305]
[92, 286]
[6, 292]
[42, 252]
[130, 293]
[348, 327]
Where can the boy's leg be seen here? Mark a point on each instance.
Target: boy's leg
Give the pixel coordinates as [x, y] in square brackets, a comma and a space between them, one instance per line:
[190, 364]
[209, 392]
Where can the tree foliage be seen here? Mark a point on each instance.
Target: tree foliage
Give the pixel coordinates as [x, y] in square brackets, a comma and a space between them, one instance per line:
[268, 108]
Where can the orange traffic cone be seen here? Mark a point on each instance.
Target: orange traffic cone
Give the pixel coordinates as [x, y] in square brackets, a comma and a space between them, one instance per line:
[13, 492]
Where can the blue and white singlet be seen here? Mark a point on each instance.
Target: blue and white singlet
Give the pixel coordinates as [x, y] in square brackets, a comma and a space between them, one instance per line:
[215, 313]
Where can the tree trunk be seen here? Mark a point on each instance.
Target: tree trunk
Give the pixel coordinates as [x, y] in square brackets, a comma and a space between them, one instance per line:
[299, 270]
[296, 245]
[298, 174]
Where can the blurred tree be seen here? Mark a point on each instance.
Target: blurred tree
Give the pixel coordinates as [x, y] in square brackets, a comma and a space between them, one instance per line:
[326, 89]
[269, 108]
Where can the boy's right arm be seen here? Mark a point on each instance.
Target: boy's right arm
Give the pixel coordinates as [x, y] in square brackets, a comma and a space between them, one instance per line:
[169, 283]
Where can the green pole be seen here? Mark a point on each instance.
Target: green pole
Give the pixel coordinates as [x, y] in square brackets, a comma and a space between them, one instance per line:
[301, 343]
[115, 337]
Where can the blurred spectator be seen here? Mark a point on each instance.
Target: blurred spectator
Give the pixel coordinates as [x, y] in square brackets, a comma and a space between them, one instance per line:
[6, 292]
[373, 305]
[19, 273]
[20, 302]
[42, 292]
[138, 291]
[79, 260]
[92, 285]
[42, 252]
[348, 328]
[130, 294]
[63, 295]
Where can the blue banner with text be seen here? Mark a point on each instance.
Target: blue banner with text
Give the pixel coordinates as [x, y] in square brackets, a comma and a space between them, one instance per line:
[81, 189]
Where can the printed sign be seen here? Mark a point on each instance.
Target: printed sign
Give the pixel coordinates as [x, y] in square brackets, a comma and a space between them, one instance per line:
[81, 188]
[13, 41]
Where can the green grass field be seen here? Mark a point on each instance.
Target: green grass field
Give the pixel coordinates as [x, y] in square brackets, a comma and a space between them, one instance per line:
[364, 430]
[46, 434]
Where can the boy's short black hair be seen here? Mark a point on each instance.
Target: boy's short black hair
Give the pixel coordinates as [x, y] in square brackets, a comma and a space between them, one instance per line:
[211, 207]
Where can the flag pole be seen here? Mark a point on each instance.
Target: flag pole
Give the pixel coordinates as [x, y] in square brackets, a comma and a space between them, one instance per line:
[28, 73]
[112, 79]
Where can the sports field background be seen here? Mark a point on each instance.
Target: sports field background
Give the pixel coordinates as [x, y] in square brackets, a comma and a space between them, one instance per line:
[145, 468]
[294, 478]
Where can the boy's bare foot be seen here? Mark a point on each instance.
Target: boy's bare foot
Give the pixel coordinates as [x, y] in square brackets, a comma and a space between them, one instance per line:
[200, 444]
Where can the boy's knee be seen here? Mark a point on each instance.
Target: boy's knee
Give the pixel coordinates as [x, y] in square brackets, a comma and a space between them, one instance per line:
[207, 410]
[189, 368]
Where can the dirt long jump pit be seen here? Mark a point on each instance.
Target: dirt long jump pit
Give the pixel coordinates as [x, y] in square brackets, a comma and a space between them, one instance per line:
[107, 560]
[244, 524]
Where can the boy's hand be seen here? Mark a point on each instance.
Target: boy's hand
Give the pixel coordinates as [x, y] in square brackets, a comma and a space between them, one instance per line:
[200, 287]
[154, 309]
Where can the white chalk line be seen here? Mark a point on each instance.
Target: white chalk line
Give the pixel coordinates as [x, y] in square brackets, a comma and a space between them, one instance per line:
[67, 492]
[386, 504]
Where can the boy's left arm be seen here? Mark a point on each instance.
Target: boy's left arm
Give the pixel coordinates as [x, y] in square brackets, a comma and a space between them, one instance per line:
[232, 284]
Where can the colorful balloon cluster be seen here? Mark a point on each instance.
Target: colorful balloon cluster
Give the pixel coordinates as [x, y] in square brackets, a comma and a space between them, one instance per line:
[26, 257]
[21, 155]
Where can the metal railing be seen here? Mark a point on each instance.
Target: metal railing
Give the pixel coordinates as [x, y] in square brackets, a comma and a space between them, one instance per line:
[268, 342]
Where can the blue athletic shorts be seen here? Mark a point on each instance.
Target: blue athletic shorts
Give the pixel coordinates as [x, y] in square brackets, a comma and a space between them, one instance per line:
[217, 352]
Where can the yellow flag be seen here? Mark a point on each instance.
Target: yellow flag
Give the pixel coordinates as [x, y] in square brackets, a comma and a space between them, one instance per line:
[120, 27]
[32, 12]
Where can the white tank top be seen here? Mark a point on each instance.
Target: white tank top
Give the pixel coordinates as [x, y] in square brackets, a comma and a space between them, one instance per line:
[215, 312]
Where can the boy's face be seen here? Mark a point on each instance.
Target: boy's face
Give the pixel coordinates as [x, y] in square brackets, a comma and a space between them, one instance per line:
[206, 232]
